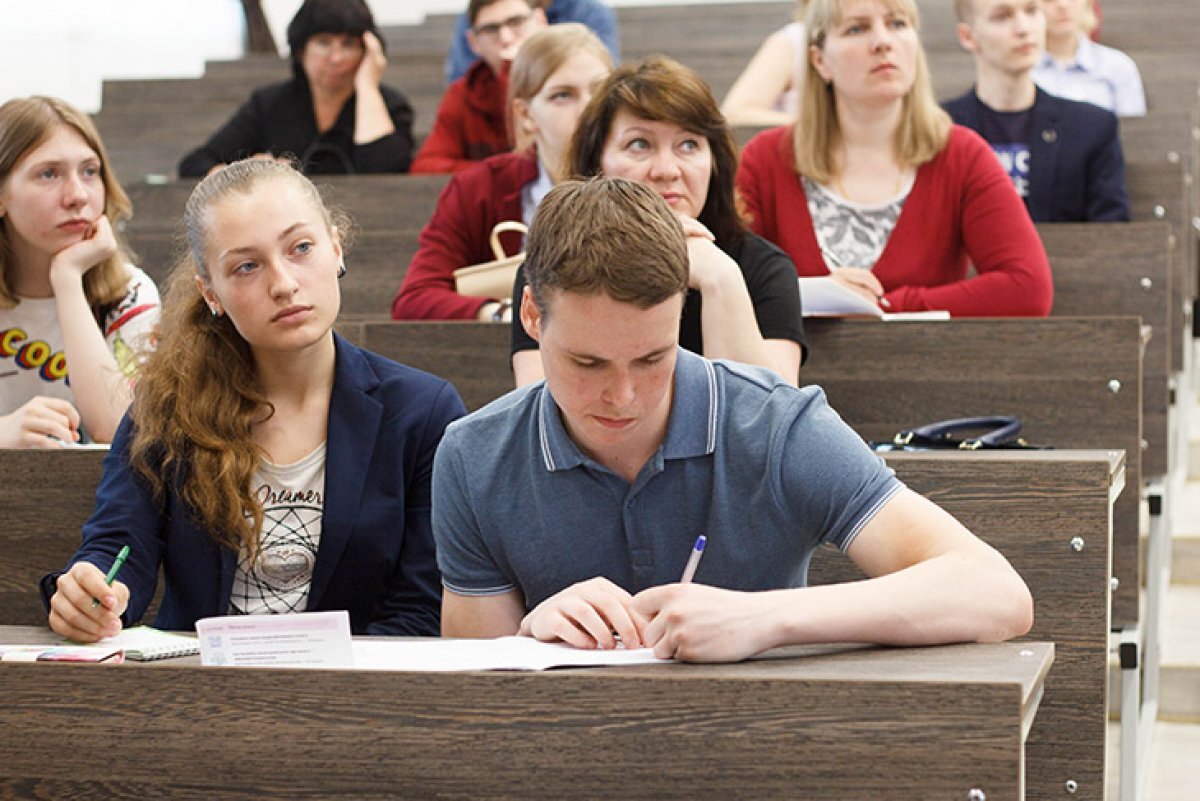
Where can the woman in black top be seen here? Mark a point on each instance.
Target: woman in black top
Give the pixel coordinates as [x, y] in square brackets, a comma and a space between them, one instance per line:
[657, 122]
[333, 116]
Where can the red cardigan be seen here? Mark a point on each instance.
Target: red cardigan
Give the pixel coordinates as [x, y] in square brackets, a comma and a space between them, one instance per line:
[962, 206]
[458, 236]
[471, 123]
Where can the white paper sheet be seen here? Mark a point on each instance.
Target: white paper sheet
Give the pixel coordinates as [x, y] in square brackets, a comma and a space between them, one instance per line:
[503, 653]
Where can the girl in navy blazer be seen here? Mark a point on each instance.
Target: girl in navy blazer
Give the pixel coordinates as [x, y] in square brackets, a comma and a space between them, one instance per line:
[266, 465]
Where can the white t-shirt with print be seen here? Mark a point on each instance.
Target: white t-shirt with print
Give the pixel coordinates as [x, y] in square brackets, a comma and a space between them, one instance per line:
[277, 581]
[33, 360]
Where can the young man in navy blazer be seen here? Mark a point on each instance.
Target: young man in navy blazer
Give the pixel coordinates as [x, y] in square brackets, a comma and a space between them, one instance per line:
[1064, 156]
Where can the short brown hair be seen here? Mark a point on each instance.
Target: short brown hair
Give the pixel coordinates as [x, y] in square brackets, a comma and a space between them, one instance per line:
[475, 6]
[26, 123]
[606, 235]
[660, 89]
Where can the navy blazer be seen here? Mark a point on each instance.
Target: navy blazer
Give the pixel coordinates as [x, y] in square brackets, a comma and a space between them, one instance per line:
[1076, 167]
[376, 555]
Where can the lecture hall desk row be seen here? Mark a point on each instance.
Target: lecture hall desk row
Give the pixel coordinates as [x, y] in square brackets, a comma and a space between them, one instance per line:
[1033, 506]
[829, 722]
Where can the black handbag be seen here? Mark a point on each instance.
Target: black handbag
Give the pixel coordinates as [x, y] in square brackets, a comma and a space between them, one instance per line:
[965, 433]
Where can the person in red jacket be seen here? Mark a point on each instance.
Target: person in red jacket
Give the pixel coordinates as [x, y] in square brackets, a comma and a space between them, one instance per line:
[875, 186]
[552, 80]
[472, 119]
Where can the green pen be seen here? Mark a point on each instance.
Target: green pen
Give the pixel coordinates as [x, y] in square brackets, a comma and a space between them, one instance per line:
[112, 571]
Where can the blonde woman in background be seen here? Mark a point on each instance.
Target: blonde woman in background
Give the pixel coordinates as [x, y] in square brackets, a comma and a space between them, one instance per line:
[874, 186]
[768, 90]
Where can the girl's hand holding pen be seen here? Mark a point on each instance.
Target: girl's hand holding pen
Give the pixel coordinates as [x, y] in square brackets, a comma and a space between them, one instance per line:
[71, 612]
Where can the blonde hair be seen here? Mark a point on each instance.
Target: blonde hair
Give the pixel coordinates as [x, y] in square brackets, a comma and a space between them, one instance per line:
[540, 56]
[924, 127]
[25, 124]
[199, 397]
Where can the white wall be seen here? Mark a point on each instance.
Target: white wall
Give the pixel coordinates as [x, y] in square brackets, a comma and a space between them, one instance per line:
[68, 47]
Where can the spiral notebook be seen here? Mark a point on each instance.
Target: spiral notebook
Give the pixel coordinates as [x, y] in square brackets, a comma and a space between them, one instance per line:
[144, 644]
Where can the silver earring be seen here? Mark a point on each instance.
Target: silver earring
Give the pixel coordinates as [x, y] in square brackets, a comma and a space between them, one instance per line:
[215, 311]
[341, 268]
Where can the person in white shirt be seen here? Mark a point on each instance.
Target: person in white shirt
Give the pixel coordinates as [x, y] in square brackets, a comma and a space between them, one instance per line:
[1077, 68]
[68, 293]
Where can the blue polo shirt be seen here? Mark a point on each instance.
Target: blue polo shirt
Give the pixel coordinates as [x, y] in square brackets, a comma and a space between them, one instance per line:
[765, 470]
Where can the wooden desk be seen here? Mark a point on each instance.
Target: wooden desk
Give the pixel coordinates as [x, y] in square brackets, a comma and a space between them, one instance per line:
[839, 722]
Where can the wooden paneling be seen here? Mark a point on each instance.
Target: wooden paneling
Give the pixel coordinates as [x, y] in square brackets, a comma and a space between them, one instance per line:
[836, 723]
[1030, 506]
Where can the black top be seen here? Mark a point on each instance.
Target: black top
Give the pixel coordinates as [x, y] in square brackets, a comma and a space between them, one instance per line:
[770, 278]
[279, 119]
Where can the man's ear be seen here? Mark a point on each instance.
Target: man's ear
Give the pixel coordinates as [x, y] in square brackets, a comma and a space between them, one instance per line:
[473, 43]
[966, 37]
[531, 315]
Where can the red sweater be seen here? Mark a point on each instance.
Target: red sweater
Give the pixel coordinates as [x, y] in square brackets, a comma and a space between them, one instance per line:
[962, 207]
[458, 236]
[471, 123]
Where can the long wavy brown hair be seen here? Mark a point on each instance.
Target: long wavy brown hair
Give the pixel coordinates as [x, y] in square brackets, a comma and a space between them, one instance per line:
[199, 395]
[27, 122]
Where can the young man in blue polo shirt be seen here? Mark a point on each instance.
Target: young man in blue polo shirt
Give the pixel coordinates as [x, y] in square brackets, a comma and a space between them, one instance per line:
[566, 510]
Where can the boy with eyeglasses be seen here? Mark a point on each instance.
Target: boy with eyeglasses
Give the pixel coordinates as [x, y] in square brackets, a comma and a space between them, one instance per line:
[472, 121]
[596, 15]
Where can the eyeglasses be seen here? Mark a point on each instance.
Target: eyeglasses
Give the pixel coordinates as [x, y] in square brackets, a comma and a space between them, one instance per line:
[325, 44]
[516, 24]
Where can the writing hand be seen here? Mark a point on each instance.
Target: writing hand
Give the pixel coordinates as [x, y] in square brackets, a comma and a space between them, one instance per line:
[585, 615]
[697, 623]
[373, 65]
[71, 611]
[860, 281]
[40, 422]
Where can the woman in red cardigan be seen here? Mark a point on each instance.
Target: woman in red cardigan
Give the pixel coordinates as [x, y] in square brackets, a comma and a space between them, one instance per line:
[875, 186]
[551, 81]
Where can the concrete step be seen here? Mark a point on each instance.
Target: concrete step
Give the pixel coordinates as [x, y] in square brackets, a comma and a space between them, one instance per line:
[1185, 542]
[1181, 656]
[1185, 557]
[1179, 679]
[1174, 767]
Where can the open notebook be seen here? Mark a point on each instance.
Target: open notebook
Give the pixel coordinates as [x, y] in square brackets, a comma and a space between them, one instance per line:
[144, 644]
